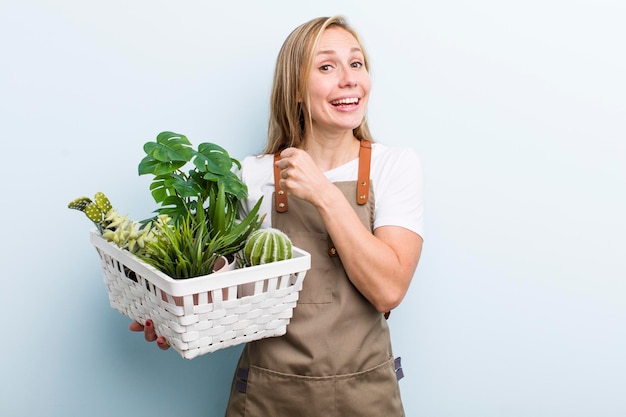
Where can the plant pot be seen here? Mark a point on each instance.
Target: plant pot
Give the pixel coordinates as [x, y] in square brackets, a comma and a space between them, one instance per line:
[221, 265]
[224, 264]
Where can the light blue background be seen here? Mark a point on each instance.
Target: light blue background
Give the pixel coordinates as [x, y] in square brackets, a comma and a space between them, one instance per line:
[517, 109]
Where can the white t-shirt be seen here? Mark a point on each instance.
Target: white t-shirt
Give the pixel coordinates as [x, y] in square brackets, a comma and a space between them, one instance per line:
[396, 177]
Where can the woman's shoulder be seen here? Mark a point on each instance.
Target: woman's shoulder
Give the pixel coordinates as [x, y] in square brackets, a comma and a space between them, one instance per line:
[256, 162]
[387, 152]
[397, 180]
[394, 157]
[257, 167]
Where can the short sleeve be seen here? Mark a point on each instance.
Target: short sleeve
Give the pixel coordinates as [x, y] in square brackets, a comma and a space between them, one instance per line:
[398, 189]
[257, 173]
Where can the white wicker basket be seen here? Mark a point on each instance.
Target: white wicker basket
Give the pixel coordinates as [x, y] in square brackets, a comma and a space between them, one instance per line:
[203, 314]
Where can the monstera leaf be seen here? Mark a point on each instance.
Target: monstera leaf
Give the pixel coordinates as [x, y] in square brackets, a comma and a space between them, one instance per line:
[187, 180]
[169, 153]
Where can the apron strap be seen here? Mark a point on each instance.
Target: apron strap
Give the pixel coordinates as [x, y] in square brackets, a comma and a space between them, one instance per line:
[363, 180]
[280, 195]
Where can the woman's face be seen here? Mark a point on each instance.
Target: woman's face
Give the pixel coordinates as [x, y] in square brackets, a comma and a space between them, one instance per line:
[339, 83]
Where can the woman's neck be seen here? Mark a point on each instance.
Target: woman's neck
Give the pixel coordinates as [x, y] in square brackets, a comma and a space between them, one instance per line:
[331, 152]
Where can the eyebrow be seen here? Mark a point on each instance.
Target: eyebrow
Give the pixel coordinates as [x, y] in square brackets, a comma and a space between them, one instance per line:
[333, 52]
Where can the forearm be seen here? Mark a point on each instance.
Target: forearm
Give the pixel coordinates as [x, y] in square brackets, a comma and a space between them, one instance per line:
[379, 268]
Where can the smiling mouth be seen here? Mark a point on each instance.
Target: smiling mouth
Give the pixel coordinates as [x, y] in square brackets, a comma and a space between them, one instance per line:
[344, 102]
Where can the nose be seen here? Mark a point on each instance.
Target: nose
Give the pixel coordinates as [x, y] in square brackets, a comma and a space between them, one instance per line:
[348, 78]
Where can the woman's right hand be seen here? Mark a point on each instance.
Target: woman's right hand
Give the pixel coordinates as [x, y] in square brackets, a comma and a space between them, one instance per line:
[149, 333]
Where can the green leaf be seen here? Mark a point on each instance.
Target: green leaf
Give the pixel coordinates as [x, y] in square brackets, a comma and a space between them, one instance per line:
[150, 165]
[234, 186]
[184, 186]
[159, 190]
[236, 237]
[169, 153]
[175, 207]
[169, 147]
[213, 158]
[218, 213]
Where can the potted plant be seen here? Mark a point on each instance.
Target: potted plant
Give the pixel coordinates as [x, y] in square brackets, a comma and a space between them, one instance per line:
[202, 203]
[197, 218]
[162, 267]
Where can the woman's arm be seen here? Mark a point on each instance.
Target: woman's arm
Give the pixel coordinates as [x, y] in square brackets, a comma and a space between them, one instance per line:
[380, 265]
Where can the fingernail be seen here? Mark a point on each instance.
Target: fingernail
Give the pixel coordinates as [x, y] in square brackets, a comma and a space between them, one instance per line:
[148, 323]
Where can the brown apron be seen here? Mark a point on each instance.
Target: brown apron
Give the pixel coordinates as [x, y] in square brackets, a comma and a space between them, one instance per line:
[335, 359]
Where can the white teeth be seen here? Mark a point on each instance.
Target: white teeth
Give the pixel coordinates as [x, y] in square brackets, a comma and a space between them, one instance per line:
[351, 100]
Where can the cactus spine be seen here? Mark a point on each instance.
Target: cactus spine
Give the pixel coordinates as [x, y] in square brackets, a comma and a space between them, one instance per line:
[267, 245]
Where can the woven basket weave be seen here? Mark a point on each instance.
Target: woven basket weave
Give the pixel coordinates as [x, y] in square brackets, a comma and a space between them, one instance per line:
[203, 314]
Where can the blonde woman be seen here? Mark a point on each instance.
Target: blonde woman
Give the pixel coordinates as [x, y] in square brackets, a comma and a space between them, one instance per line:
[356, 206]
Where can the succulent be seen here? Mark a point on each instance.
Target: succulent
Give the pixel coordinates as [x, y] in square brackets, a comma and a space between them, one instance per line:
[267, 245]
[125, 233]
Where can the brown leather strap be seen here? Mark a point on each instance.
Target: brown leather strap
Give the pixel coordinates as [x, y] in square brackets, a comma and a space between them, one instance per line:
[363, 182]
[280, 195]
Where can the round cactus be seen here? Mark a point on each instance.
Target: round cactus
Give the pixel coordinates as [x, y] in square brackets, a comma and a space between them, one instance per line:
[267, 245]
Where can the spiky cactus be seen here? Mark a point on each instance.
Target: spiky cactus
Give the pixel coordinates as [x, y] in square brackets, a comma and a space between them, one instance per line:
[267, 245]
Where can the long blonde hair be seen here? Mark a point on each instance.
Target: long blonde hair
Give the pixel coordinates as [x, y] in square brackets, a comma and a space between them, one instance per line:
[288, 120]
